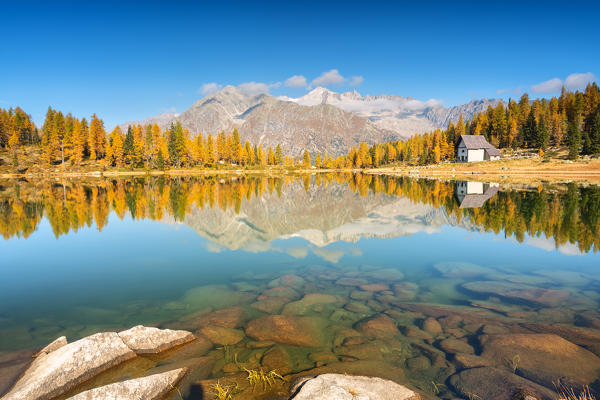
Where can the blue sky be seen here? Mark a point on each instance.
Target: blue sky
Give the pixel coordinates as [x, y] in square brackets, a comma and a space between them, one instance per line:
[129, 60]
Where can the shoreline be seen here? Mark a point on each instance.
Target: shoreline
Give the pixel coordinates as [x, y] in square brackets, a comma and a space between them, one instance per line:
[525, 171]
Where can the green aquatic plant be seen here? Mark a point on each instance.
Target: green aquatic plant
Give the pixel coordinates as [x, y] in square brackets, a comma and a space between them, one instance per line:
[260, 378]
[514, 363]
[224, 392]
[566, 393]
[473, 396]
[176, 389]
[226, 352]
[435, 387]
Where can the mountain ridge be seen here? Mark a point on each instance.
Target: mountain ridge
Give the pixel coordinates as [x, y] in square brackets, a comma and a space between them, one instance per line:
[320, 121]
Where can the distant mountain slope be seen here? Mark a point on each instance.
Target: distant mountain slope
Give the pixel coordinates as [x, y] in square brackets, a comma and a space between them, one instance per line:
[320, 121]
[402, 115]
[268, 121]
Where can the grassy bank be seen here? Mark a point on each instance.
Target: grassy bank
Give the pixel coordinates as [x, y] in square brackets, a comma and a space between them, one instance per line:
[527, 171]
[508, 170]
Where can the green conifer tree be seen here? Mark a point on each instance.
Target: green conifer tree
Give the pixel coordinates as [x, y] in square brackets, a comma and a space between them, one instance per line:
[574, 140]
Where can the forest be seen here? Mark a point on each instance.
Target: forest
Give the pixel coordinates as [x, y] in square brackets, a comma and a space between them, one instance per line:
[571, 121]
[568, 214]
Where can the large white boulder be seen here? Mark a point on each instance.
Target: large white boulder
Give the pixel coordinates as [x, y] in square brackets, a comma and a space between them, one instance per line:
[148, 340]
[346, 387]
[153, 387]
[54, 373]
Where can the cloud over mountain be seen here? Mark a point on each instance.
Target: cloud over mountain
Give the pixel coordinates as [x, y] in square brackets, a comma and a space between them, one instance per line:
[574, 81]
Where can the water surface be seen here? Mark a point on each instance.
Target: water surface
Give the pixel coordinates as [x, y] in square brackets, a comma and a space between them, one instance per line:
[83, 256]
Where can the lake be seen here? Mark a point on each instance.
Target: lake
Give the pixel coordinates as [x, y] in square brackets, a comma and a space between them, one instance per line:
[412, 280]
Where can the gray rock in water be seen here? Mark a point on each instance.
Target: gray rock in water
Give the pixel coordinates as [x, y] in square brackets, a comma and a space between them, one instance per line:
[346, 387]
[147, 340]
[151, 387]
[53, 374]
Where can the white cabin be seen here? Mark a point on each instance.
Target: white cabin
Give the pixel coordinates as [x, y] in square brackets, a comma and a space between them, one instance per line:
[473, 148]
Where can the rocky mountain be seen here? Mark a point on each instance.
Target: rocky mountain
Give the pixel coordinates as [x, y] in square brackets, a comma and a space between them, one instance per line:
[268, 121]
[320, 121]
[402, 115]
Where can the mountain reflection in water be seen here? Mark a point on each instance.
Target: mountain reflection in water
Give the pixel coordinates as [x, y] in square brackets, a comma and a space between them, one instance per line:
[246, 212]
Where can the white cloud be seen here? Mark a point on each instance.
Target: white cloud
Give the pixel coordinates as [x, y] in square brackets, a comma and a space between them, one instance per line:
[296, 81]
[572, 82]
[209, 88]
[550, 86]
[332, 77]
[578, 80]
[254, 88]
[356, 80]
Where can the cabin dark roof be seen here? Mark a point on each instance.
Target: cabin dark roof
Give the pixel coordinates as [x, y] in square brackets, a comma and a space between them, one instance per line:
[474, 142]
[492, 151]
[478, 200]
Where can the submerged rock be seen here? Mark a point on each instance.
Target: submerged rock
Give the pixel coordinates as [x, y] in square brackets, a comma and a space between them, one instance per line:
[222, 336]
[148, 340]
[53, 374]
[418, 363]
[292, 280]
[344, 387]
[230, 317]
[375, 287]
[351, 282]
[285, 329]
[543, 358]
[432, 326]
[281, 291]
[585, 337]
[453, 346]
[518, 292]
[153, 387]
[464, 361]
[215, 296]
[385, 274]
[361, 351]
[494, 384]
[304, 305]
[460, 269]
[360, 295]
[377, 368]
[270, 305]
[380, 327]
[278, 359]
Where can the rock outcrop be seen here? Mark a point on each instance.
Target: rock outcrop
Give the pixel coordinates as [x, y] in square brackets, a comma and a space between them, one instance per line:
[61, 366]
[153, 387]
[148, 340]
[346, 387]
[54, 373]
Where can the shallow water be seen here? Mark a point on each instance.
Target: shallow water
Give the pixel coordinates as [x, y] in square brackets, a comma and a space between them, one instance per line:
[331, 251]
